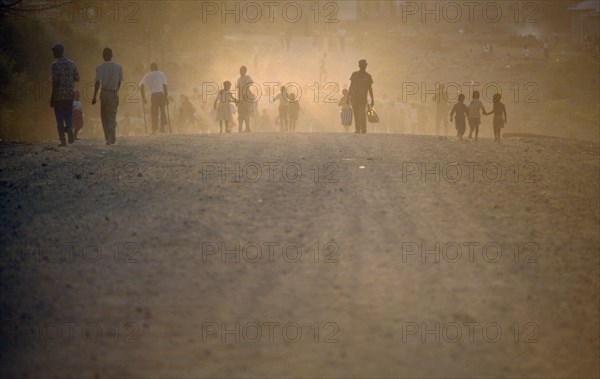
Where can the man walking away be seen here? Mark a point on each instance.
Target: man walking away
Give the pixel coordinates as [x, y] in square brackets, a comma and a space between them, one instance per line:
[245, 100]
[361, 84]
[156, 82]
[64, 76]
[109, 75]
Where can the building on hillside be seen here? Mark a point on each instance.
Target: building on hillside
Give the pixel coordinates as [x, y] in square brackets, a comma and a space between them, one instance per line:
[585, 20]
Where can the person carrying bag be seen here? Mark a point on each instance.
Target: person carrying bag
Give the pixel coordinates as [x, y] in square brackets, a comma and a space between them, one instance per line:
[372, 116]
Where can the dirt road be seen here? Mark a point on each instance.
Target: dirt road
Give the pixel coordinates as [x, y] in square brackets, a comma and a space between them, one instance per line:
[308, 255]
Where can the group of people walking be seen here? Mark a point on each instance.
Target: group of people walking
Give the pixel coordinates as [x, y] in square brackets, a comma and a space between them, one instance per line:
[288, 110]
[65, 100]
[226, 104]
[225, 100]
[461, 113]
[109, 76]
[68, 109]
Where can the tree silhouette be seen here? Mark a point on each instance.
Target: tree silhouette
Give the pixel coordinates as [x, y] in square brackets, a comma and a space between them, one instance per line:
[22, 8]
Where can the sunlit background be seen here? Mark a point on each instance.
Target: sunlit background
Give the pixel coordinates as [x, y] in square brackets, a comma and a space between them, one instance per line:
[312, 48]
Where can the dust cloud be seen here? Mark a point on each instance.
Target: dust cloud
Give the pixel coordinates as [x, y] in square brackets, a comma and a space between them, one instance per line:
[533, 53]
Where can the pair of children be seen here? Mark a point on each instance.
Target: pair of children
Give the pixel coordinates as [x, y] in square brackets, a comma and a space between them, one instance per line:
[473, 113]
[225, 109]
[289, 110]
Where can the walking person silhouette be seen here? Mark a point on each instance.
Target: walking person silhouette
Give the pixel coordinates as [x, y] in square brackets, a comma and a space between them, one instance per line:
[361, 84]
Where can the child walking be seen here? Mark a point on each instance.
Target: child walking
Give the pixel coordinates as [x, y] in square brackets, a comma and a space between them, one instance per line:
[460, 112]
[500, 116]
[77, 114]
[475, 109]
[223, 107]
[346, 112]
[293, 111]
[283, 109]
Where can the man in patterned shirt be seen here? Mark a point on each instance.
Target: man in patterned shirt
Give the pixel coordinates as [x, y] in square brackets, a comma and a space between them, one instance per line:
[64, 76]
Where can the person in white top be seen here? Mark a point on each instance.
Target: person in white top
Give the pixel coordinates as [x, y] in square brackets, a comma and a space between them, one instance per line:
[223, 107]
[156, 82]
[475, 109]
[109, 75]
[77, 115]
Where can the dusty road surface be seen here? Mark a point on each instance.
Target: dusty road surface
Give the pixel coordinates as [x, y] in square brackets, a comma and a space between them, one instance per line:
[308, 255]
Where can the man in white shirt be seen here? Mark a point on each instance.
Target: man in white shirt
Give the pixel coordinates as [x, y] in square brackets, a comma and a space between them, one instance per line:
[156, 82]
[109, 75]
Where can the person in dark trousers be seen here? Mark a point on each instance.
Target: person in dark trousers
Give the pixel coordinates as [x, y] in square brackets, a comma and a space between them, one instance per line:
[283, 109]
[245, 99]
[500, 116]
[109, 75]
[459, 113]
[361, 84]
[156, 82]
[293, 111]
[64, 76]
